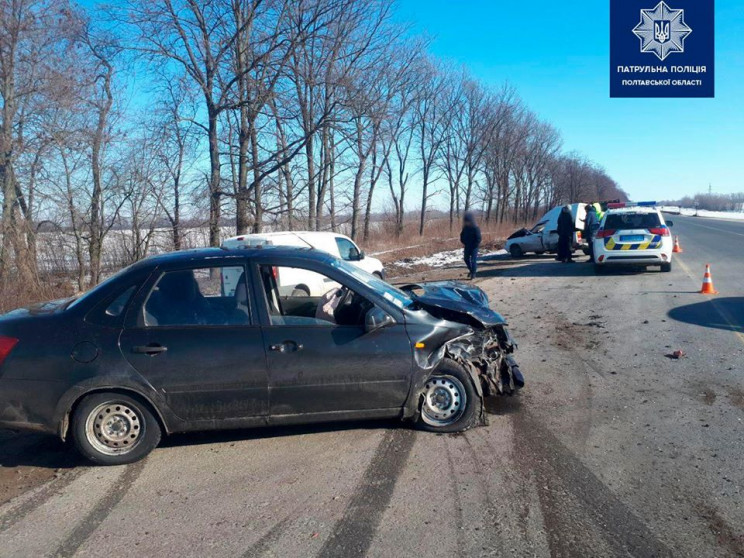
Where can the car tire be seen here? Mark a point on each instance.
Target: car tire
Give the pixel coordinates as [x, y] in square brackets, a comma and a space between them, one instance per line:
[516, 251]
[378, 275]
[114, 429]
[666, 267]
[449, 401]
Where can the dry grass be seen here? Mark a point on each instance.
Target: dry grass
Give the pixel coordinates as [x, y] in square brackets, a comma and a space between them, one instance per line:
[15, 293]
[438, 237]
[384, 244]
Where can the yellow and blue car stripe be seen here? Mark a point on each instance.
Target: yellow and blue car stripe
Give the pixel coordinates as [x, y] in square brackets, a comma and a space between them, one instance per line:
[652, 244]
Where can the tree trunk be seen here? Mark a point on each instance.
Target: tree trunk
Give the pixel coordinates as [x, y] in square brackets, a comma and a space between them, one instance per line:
[241, 198]
[358, 177]
[424, 196]
[214, 176]
[258, 223]
[95, 243]
[311, 193]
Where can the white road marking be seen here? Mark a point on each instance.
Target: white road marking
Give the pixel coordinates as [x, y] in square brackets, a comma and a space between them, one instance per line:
[714, 228]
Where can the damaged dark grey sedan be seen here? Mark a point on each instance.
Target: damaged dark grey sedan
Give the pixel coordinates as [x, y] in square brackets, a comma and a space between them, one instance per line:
[215, 339]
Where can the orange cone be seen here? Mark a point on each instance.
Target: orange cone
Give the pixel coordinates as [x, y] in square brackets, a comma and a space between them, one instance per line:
[708, 282]
[677, 248]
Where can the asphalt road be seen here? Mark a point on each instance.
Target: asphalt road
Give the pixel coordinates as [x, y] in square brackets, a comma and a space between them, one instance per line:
[612, 449]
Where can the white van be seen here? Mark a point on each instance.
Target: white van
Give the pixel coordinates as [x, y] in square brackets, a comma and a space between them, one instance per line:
[299, 281]
[543, 237]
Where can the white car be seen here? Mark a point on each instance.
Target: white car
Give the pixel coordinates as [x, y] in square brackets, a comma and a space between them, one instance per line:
[300, 281]
[633, 236]
[543, 237]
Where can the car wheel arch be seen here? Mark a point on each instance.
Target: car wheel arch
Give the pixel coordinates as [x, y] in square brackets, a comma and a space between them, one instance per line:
[446, 350]
[64, 426]
[472, 375]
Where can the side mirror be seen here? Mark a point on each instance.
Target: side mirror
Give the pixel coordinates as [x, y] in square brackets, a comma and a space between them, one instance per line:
[377, 318]
[360, 256]
[670, 223]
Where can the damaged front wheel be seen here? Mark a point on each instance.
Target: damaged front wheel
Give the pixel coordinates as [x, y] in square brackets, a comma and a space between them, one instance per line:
[449, 402]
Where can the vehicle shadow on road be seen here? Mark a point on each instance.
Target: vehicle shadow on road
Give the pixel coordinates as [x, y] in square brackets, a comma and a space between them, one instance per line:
[541, 268]
[716, 313]
[24, 449]
[29, 449]
[241, 435]
[509, 258]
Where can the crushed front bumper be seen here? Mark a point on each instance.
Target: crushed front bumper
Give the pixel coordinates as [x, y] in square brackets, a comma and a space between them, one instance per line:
[488, 354]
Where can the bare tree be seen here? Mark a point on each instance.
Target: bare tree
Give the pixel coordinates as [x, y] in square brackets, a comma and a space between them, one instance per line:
[429, 110]
[174, 149]
[35, 53]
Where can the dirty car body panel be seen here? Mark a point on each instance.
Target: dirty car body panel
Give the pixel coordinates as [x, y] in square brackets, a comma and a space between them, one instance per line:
[246, 370]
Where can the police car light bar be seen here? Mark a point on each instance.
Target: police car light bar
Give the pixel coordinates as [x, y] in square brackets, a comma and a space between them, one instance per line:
[620, 205]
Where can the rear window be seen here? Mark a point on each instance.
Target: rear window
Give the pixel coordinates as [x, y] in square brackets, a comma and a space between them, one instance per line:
[624, 221]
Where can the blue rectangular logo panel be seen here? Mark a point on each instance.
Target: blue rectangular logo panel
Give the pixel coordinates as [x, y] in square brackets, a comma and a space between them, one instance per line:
[662, 48]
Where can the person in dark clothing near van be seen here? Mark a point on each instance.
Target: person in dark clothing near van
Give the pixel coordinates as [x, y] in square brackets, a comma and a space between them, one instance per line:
[591, 224]
[470, 237]
[566, 229]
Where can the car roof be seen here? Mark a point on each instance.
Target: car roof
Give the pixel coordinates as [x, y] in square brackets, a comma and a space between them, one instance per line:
[635, 209]
[206, 254]
[286, 233]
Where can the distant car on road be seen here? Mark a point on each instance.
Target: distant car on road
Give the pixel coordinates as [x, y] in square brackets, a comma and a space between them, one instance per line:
[295, 281]
[633, 235]
[166, 345]
[543, 237]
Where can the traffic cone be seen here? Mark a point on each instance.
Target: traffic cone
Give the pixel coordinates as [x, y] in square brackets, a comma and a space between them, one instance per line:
[677, 248]
[708, 282]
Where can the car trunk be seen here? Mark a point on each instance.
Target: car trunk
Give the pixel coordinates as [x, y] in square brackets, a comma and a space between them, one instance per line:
[633, 231]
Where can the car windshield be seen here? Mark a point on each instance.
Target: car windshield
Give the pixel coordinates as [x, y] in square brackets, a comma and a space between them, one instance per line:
[625, 221]
[539, 227]
[388, 291]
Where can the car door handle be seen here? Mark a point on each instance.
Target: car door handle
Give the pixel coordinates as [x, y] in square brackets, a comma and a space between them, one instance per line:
[152, 349]
[286, 347]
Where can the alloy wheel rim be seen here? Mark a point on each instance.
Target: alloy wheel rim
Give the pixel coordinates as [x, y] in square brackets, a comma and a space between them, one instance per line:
[445, 401]
[115, 428]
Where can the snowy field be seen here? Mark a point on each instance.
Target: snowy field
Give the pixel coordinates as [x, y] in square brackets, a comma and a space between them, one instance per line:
[738, 216]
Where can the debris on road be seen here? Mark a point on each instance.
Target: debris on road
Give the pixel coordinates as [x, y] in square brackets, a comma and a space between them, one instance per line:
[676, 355]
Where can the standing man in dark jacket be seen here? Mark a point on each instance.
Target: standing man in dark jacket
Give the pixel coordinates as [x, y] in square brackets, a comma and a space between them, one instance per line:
[470, 237]
[591, 224]
[566, 229]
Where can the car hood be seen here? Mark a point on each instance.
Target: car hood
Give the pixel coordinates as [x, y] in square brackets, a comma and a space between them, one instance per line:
[455, 297]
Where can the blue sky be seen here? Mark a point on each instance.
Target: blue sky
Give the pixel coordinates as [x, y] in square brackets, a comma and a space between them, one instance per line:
[557, 56]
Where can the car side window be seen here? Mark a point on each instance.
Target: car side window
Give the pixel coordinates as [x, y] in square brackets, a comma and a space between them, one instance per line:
[111, 311]
[119, 304]
[296, 296]
[206, 296]
[347, 249]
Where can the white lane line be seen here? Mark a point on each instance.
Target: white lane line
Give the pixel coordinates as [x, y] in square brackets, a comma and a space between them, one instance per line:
[713, 228]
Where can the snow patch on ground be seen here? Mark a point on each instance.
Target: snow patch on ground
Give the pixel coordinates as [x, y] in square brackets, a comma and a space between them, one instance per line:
[734, 215]
[443, 259]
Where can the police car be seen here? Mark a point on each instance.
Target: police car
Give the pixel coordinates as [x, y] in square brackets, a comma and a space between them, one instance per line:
[633, 235]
